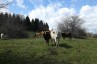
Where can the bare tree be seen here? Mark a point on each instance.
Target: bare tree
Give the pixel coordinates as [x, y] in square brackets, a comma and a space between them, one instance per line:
[4, 5]
[72, 24]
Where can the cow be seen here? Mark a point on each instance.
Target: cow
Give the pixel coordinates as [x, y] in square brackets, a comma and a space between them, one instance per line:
[52, 35]
[55, 37]
[39, 34]
[47, 36]
[67, 34]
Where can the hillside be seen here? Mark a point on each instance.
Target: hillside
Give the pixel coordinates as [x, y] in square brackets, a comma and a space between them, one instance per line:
[35, 51]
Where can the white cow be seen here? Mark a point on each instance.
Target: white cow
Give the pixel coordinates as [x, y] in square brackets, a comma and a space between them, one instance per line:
[55, 37]
[2, 34]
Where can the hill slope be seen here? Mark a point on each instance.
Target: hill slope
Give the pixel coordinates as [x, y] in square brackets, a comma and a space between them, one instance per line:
[35, 51]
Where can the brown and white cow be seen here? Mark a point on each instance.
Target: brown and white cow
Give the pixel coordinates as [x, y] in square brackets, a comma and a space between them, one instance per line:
[53, 35]
[47, 36]
[39, 34]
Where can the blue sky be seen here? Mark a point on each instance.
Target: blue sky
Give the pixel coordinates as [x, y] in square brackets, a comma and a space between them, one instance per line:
[32, 4]
[51, 11]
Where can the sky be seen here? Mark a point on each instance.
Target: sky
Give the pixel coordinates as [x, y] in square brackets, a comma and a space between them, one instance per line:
[52, 11]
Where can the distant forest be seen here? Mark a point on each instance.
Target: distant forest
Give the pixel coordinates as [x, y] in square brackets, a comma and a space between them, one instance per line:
[15, 25]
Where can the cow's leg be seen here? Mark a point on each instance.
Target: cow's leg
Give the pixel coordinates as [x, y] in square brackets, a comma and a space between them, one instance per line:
[56, 42]
[70, 37]
[53, 42]
[47, 42]
[64, 38]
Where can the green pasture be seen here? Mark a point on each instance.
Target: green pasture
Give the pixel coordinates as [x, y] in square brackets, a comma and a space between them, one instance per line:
[35, 51]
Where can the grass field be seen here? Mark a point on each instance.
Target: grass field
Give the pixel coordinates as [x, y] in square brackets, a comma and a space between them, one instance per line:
[35, 51]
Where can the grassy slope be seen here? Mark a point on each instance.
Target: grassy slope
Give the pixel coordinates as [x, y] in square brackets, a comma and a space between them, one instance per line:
[35, 51]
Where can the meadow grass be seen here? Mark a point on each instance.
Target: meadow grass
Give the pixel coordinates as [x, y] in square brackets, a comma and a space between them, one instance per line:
[35, 51]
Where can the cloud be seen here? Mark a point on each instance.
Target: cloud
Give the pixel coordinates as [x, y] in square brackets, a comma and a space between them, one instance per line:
[54, 13]
[20, 3]
[89, 14]
[1, 1]
[4, 10]
[51, 13]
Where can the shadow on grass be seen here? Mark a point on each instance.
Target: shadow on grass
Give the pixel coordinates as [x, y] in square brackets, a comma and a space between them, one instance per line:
[16, 58]
[11, 58]
[65, 46]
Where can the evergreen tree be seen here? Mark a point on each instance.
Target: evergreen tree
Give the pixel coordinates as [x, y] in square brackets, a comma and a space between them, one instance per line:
[33, 25]
[27, 23]
[36, 24]
[47, 26]
[40, 26]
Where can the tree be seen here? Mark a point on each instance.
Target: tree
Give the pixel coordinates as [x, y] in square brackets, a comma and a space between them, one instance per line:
[40, 26]
[12, 25]
[36, 24]
[33, 25]
[27, 23]
[46, 27]
[4, 5]
[72, 24]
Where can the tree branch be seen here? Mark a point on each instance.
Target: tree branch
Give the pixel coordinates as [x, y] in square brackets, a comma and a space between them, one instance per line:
[4, 5]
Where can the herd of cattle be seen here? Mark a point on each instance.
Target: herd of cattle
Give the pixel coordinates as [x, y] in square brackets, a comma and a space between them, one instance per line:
[53, 35]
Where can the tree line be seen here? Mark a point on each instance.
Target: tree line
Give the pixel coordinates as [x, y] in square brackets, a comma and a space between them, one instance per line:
[16, 26]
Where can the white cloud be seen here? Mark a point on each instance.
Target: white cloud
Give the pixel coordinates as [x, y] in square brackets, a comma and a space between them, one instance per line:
[51, 14]
[20, 3]
[89, 14]
[1, 1]
[4, 10]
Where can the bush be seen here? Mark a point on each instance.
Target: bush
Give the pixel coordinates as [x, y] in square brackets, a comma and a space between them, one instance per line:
[13, 30]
